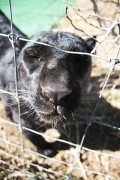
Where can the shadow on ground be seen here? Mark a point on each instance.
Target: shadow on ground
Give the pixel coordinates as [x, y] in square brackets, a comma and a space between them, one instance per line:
[98, 136]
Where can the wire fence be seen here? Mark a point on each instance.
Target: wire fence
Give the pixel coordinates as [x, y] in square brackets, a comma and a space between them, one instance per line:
[18, 161]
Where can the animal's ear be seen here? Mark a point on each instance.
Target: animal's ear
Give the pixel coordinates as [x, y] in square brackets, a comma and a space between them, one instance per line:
[90, 43]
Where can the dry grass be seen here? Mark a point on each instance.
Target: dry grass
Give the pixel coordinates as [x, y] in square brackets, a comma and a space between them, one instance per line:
[99, 138]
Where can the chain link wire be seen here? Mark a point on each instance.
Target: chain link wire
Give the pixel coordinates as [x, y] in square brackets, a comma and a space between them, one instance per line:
[90, 120]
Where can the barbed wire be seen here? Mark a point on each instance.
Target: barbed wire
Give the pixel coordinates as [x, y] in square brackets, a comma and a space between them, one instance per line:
[89, 120]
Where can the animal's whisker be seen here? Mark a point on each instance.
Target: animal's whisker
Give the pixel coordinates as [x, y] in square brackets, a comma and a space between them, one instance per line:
[55, 123]
[22, 97]
[11, 104]
[41, 126]
[73, 116]
[14, 103]
[64, 117]
[22, 90]
[8, 99]
[12, 93]
[30, 112]
[27, 111]
[64, 126]
[36, 118]
[33, 111]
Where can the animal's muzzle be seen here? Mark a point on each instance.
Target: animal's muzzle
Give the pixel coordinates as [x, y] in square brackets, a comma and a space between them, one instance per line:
[55, 95]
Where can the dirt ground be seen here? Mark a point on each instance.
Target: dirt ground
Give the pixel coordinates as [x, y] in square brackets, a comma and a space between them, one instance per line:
[101, 139]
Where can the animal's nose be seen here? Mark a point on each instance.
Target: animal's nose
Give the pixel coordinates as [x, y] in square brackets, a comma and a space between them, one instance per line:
[55, 95]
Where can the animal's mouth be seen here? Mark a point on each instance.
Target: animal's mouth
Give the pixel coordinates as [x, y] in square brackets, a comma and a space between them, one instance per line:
[53, 117]
[58, 115]
[53, 120]
[49, 112]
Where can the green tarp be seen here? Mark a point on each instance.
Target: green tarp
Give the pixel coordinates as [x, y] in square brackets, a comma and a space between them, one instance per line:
[32, 16]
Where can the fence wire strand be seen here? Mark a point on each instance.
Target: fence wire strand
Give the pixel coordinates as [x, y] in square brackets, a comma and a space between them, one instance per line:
[89, 120]
[13, 40]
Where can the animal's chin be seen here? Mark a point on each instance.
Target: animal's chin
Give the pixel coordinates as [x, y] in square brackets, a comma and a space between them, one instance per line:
[59, 114]
[52, 118]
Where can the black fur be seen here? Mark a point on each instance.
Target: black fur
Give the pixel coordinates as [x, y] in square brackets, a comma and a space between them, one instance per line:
[50, 81]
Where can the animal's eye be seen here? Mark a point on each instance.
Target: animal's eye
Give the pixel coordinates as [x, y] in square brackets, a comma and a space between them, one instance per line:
[33, 53]
[30, 51]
